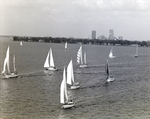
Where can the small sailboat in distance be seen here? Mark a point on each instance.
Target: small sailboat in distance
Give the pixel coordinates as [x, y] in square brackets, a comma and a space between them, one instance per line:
[111, 54]
[20, 43]
[6, 71]
[63, 94]
[108, 78]
[49, 62]
[70, 77]
[66, 46]
[136, 55]
[80, 58]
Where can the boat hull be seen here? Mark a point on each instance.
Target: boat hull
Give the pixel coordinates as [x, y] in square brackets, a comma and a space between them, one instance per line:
[112, 57]
[51, 69]
[6, 76]
[83, 66]
[110, 79]
[67, 106]
[75, 87]
[136, 56]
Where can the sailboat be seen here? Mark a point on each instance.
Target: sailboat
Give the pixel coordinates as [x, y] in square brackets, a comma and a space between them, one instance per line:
[6, 71]
[111, 54]
[70, 77]
[49, 62]
[20, 43]
[136, 55]
[66, 46]
[108, 78]
[63, 94]
[80, 58]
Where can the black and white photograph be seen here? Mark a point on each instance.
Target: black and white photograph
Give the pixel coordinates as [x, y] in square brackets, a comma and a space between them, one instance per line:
[74, 59]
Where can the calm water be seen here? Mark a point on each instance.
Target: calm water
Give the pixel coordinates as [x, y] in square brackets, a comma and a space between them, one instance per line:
[35, 93]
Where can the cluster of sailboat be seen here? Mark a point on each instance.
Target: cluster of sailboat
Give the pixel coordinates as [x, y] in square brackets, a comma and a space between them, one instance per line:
[67, 79]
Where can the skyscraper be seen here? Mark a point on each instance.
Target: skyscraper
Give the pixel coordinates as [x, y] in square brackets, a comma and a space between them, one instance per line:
[111, 34]
[93, 34]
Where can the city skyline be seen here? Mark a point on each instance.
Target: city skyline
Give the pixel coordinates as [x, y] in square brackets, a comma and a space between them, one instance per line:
[76, 18]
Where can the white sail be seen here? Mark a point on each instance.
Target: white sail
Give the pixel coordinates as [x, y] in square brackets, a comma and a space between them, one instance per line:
[51, 59]
[14, 63]
[46, 64]
[66, 45]
[7, 60]
[63, 89]
[136, 51]
[49, 62]
[85, 58]
[79, 56]
[111, 54]
[70, 74]
[7, 73]
[21, 43]
[4, 67]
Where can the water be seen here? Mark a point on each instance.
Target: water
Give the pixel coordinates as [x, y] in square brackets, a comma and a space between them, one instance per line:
[35, 93]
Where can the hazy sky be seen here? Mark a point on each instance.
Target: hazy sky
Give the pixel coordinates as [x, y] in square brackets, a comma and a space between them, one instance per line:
[76, 18]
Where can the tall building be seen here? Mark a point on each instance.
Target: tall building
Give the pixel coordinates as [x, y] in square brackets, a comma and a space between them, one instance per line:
[93, 34]
[111, 34]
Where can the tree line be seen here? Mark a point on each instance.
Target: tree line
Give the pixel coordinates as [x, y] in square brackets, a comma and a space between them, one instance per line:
[81, 40]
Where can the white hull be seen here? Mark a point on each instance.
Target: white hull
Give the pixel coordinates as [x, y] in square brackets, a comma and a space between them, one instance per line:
[75, 87]
[110, 79]
[112, 57]
[136, 56]
[67, 106]
[12, 75]
[83, 66]
[51, 69]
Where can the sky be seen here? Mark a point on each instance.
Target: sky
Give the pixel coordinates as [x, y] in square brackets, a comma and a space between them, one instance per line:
[76, 18]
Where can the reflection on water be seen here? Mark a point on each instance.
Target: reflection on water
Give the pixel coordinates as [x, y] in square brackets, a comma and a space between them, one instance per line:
[35, 93]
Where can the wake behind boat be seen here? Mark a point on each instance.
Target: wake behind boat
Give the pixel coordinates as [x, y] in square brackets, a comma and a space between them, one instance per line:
[49, 62]
[70, 77]
[108, 78]
[80, 60]
[63, 94]
[6, 71]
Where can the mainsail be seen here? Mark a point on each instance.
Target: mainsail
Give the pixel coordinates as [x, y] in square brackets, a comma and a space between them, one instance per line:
[63, 89]
[70, 74]
[79, 55]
